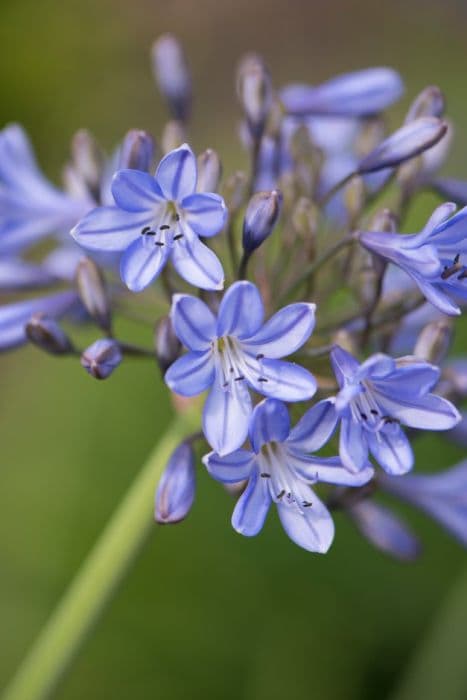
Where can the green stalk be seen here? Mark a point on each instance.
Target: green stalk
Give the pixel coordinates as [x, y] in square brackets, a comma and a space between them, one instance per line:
[101, 572]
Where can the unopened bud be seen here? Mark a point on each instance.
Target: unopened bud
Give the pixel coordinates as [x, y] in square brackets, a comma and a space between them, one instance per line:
[434, 341]
[167, 345]
[137, 151]
[370, 135]
[173, 136]
[176, 491]
[46, 334]
[254, 90]
[407, 142]
[172, 75]
[429, 103]
[235, 191]
[93, 292]
[209, 171]
[369, 278]
[261, 216]
[88, 159]
[101, 358]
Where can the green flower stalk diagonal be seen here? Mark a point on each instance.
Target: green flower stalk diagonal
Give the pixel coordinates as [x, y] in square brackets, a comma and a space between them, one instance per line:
[106, 565]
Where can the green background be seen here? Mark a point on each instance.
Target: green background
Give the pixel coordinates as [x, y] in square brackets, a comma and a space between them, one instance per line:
[204, 613]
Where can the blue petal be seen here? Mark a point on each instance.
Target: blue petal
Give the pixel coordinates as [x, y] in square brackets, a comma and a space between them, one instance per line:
[313, 529]
[439, 216]
[241, 311]
[353, 446]
[451, 232]
[377, 365]
[269, 421]
[328, 469]
[16, 274]
[141, 263]
[205, 213]
[284, 333]
[136, 191]
[428, 412]
[315, 427]
[345, 366]
[452, 188]
[109, 228]
[391, 449]
[384, 530]
[191, 374]
[285, 381]
[176, 491]
[252, 507]
[408, 381]
[193, 321]
[232, 468]
[196, 263]
[397, 248]
[360, 93]
[435, 295]
[225, 417]
[176, 174]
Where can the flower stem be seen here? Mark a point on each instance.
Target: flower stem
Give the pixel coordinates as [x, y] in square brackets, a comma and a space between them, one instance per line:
[101, 572]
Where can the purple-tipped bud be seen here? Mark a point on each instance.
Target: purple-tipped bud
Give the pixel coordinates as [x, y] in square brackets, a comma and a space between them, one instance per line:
[93, 292]
[101, 358]
[384, 530]
[167, 345]
[209, 171]
[88, 159]
[176, 491]
[137, 151]
[434, 341]
[254, 90]
[261, 216]
[172, 75]
[46, 334]
[429, 103]
[173, 135]
[405, 143]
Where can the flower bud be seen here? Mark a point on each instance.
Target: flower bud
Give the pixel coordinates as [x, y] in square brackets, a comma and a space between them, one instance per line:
[429, 103]
[88, 159]
[407, 142]
[137, 151]
[101, 358]
[209, 171]
[173, 136]
[235, 191]
[167, 345]
[46, 334]
[368, 279]
[93, 292]
[434, 341]
[176, 491]
[172, 75]
[254, 90]
[354, 197]
[261, 215]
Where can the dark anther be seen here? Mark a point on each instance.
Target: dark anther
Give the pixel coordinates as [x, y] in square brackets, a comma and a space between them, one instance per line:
[262, 379]
[240, 378]
[307, 504]
[373, 411]
[177, 217]
[388, 420]
[231, 370]
[158, 243]
[260, 356]
[145, 230]
[452, 269]
[363, 415]
[279, 495]
[265, 475]
[164, 227]
[457, 258]
[463, 274]
[179, 235]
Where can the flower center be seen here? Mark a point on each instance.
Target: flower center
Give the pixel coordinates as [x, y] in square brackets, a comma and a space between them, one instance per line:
[230, 362]
[365, 410]
[284, 486]
[165, 228]
[455, 268]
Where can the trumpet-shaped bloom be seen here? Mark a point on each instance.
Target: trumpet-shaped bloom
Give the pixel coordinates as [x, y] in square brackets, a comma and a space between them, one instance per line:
[435, 258]
[157, 218]
[378, 396]
[280, 470]
[235, 352]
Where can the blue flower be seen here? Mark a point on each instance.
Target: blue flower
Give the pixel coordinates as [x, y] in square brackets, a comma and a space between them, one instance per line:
[279, 469]
[379, 395]
[434, 258]
[237, 351]
[30, 206]
[157, 218]
[176, 491]
[442, 496]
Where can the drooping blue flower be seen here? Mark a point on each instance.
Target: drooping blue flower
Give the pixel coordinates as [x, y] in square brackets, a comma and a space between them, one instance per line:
[442, 496]
[156, 218]
[31, 208]
[280, 469]
[435, 258]
[375, 398]
[235, 352]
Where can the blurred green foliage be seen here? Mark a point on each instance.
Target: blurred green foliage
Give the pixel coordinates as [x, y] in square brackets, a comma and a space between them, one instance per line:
[205, 613]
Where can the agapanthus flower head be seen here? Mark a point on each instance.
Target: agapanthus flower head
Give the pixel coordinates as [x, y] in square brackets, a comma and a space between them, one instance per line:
[435, 258]
[280, 469]
[236, 352]
[379, 396]
[156, 218]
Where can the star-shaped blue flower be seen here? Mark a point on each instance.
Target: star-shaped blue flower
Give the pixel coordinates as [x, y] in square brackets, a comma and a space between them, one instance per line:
[280, 470]
[235, 352]
[435, 258]
[157, 217]
[375, 398]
